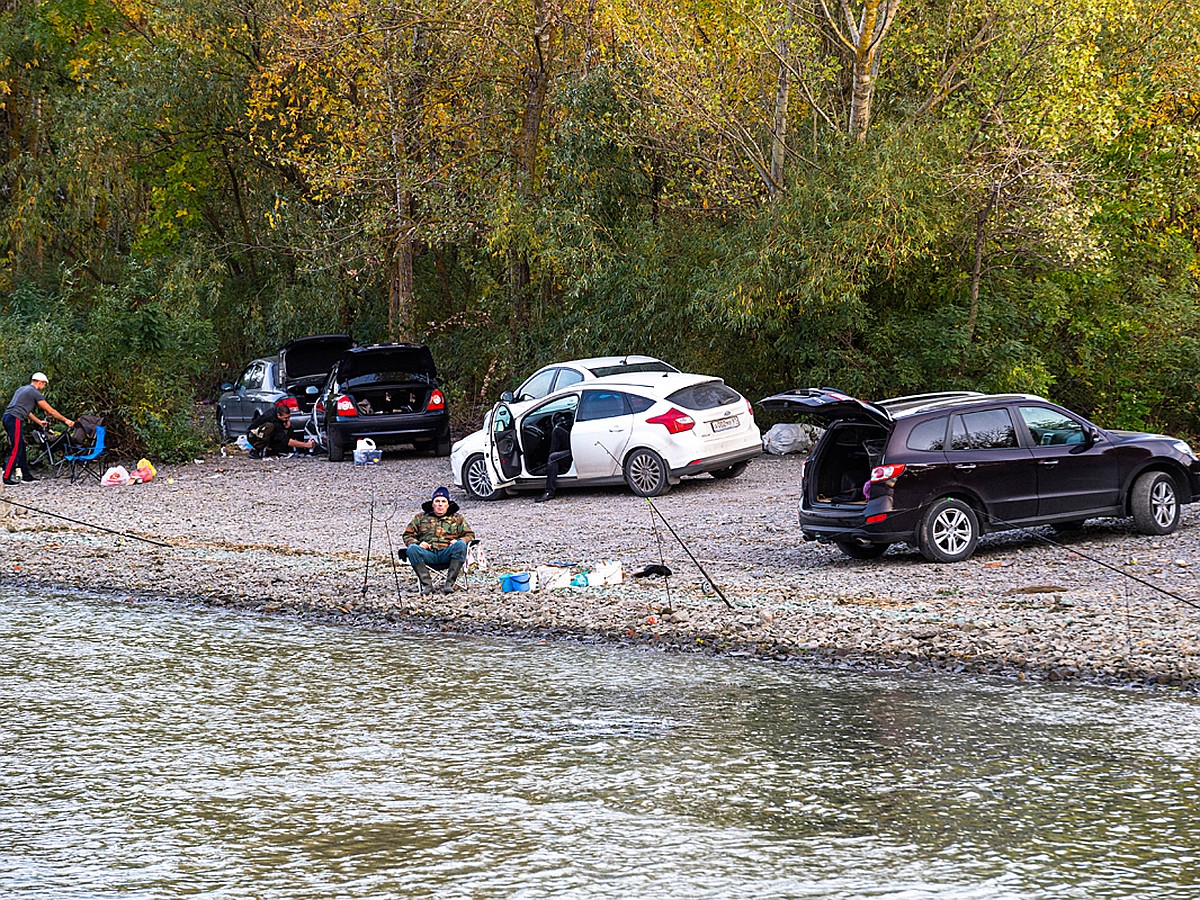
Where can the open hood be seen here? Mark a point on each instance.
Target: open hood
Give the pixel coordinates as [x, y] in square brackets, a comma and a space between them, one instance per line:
[826, 405]
[312, 357]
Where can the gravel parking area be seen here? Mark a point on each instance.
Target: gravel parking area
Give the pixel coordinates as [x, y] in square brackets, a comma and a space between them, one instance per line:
[290, 537]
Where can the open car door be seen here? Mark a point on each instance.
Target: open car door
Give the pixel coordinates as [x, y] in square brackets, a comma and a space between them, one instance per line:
[503, 454]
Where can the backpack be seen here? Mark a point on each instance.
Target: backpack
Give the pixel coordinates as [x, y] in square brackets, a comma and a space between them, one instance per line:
[83, 432]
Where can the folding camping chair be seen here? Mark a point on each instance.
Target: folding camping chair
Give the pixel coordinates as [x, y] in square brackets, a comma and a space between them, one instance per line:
[86, 460]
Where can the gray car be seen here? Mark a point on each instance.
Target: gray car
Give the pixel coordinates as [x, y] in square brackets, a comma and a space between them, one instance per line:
[295, 375]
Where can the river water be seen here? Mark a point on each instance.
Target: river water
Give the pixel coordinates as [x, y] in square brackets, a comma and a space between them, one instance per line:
[154, 750]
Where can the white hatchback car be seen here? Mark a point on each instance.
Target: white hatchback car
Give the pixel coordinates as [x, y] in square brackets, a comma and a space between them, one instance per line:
[647, 429]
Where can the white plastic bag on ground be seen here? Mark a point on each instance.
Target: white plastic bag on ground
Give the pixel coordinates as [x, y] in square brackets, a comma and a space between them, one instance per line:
[114, 476]
[553, 578]
[608, 572]
[787, 438]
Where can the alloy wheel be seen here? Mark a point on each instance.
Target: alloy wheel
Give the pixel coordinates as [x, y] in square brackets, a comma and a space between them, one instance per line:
[953, 531]
[1163, 505]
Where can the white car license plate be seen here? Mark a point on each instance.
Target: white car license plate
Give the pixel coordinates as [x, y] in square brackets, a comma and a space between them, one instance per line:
[724, 424]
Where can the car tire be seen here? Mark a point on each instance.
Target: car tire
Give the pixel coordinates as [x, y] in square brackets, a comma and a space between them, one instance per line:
[732, 472]
[949, 531]
[223, 426]
[646, 473]
[862, 549]
[1155, 503]
[442, 446]
[337, 446]
[476, 481]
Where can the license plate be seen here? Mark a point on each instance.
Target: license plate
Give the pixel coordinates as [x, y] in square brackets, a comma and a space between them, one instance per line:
[724, 424]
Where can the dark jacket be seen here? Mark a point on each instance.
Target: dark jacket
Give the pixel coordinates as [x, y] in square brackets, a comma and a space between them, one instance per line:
[275, 437]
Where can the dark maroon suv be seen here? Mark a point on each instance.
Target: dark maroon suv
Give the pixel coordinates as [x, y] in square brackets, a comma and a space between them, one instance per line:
[937, 470]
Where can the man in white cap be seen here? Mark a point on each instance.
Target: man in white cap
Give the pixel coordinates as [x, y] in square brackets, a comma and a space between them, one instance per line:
[20, 409]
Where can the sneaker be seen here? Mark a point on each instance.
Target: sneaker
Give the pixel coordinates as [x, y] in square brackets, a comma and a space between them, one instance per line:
[255, 454]
[11, 481]
[26, 476]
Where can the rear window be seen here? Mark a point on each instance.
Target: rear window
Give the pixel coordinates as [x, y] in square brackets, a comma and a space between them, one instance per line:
[929, 435]
[707, 395]
[991, 429]
[632, 368]
[401, 364]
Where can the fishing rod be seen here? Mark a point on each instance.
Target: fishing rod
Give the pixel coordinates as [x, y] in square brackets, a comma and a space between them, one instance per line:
[1100, 562]
[993, 519]
[370, 532]
[124, 534]
[655, 510]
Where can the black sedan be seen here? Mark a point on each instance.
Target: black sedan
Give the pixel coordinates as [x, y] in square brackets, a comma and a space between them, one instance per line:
[386, 392]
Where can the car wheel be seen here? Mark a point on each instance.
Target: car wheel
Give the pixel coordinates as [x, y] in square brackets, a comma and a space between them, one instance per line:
[442, 445]
[223, 426]
[732, 472]
[862, 549]
[1155, 503]
[949, 531]
[476, 480]
[337, 446]
[646, 473]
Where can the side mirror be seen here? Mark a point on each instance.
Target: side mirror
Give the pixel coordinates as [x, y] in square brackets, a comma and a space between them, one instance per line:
[506, 397]
[227, 386]
[312, 390]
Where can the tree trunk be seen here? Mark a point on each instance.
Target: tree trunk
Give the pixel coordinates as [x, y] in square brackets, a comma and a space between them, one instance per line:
[537, 82]
[780, 124]
[400, 289]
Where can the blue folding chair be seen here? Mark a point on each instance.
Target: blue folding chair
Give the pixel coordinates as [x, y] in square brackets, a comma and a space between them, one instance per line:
[86, 460]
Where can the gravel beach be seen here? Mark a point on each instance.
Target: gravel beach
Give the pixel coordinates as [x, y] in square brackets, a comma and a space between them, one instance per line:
[290, 537]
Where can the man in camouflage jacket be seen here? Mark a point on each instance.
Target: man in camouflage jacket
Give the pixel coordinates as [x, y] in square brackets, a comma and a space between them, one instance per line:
[437, 537]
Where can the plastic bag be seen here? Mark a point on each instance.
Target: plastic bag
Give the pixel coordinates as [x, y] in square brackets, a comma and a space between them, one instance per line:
[477, 558]
[553, 578]
[115, 475]
[786, 438]
[608, 572]
[144, 472]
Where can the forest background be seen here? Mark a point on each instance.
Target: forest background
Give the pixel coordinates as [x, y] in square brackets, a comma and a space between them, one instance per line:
[887, 196]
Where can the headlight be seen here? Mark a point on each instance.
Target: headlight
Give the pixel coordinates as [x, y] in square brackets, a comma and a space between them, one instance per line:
[1182, 447]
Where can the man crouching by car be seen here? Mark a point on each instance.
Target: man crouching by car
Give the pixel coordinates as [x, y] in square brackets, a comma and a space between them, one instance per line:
[270, 432]
[437, 537]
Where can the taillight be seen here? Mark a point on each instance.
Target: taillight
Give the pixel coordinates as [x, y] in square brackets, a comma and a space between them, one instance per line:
[749, 409]
[319, 406]
[346, 407]
[886, 473]
[290, 403]
[674, 421]
[437, 401]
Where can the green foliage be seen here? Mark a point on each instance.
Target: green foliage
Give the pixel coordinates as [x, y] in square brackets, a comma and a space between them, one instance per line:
[187, 185]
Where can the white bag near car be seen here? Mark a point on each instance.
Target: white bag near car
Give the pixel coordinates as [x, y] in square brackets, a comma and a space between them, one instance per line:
[787, 438]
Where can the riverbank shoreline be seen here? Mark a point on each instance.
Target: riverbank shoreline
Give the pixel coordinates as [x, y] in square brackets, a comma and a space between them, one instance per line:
[290, 537]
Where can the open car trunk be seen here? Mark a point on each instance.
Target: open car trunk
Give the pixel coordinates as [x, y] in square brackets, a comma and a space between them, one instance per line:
[306, 362]
[390, 380]
[848, 453]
